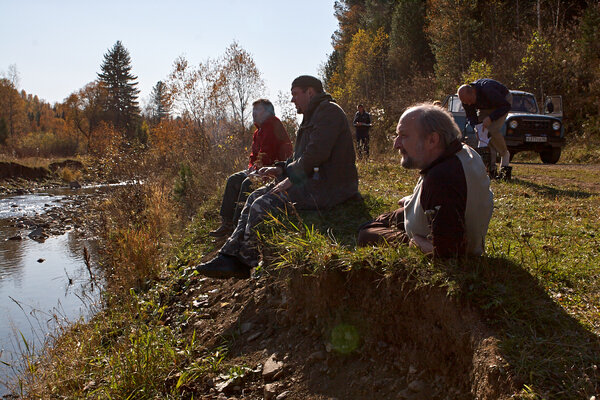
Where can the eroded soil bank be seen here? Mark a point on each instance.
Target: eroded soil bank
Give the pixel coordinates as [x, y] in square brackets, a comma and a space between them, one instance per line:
[342, 335]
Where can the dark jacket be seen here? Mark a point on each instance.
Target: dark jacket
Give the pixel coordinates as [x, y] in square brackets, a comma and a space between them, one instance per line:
[490, 94]
[324, 140]
[362, 130]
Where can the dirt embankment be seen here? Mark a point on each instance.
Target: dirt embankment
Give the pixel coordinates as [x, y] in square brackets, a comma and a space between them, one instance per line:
[339, 335]
[16, 178]
[11, 170]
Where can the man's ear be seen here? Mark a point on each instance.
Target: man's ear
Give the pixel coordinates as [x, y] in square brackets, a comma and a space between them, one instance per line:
[434, 139]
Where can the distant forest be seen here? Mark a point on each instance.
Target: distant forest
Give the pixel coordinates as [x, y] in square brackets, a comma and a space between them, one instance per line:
[389, 54]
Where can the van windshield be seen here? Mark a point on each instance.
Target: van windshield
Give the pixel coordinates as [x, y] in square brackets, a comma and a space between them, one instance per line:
[524, 103]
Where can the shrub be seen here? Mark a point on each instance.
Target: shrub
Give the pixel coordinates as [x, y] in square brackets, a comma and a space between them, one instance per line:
[44, 144]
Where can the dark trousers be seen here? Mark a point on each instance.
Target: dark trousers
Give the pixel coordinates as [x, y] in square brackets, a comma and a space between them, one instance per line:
[362, 145]
[388, 227]
[261, 205]
[237, 189]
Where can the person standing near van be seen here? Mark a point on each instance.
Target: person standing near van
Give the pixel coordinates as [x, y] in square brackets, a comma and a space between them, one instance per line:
[488, 102]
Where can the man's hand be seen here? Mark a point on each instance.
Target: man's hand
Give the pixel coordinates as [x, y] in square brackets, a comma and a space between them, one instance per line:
[487, 121]
[422, 243]
[270, 172]
[282, 186]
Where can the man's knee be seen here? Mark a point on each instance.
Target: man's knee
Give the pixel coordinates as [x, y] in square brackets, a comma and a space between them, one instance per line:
[367, 236]
[246, 184]
[236, 179]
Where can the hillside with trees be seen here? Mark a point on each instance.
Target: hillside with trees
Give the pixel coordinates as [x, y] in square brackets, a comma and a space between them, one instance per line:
[390, 54]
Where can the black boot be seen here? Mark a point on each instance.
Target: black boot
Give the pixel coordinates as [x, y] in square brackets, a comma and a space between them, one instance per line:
[224, 230]
[506, 173]
[223, 267]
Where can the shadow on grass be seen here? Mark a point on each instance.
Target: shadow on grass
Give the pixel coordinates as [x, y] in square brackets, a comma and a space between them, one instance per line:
[548, 348]
[552, 192]
[342, 221]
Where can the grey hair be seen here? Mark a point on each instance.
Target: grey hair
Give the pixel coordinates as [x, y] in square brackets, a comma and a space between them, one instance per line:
[266, 105]
[432, 118]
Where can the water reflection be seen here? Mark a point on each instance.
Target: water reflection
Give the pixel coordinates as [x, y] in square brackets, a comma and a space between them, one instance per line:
[42, 284]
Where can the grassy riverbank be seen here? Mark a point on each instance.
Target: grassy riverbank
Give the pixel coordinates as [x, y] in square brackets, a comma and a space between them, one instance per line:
[534, 297]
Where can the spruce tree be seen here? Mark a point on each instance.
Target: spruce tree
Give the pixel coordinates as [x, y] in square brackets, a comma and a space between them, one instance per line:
[159, 102]
[121, 105]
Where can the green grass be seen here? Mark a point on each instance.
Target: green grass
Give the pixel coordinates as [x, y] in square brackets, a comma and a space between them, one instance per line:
[538, 287]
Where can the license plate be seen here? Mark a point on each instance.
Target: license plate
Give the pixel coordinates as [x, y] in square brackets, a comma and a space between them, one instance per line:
[536, 139]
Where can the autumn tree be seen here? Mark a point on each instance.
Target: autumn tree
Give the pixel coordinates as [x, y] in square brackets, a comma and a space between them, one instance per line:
[365, 66]
[12, 105]
[453, 29]
[3, 131]
[239, 83]
[121, 105]
[409, 52]
[537, 66]
[191, 93]
[84, 109]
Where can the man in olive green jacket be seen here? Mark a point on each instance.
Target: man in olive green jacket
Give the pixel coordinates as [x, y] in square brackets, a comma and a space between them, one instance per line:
[320, 174]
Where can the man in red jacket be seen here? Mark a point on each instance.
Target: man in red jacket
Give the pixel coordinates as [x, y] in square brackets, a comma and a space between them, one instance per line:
[270, 143]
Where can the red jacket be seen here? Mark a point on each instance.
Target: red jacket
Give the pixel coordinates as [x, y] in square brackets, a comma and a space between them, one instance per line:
[270, 143]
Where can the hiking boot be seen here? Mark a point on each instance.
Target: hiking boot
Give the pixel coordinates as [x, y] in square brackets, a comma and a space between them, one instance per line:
[224, 230]
[505, 173]
[223, 267]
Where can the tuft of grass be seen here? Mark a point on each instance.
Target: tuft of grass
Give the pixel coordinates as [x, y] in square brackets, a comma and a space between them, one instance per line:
[69, 175]
[139, 223]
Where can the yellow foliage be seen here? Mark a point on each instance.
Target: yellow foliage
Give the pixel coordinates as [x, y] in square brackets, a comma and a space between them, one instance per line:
[477, 70]
[69, 175]
[365, 64]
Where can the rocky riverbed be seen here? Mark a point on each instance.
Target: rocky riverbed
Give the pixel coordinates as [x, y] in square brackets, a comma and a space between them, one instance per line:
[42, 212]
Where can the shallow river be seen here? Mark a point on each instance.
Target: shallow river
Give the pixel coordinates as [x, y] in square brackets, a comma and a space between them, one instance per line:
[42, 284]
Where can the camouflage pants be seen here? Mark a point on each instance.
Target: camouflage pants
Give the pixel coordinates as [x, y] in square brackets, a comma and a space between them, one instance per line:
[242, 243]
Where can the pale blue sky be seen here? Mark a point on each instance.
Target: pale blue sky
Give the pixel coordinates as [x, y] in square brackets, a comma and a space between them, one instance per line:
[58, 46]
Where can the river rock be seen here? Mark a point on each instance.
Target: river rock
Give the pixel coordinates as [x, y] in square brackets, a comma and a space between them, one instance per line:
[270, 390]
[41, 260]
[16, 237]
[38, 235]
[75, 185]
[272, 368]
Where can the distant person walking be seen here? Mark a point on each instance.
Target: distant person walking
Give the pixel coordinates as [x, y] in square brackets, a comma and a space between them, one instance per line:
[488, 102]
[362, 123]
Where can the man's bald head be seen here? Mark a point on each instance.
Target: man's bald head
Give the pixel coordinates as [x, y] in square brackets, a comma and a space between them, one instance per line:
[467, 94]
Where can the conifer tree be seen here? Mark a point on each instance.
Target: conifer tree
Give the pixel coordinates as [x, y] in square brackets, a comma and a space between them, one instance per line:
[121, 105]
[159, 102]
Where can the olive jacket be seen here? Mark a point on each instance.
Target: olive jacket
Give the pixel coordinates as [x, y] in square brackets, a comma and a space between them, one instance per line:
[323, 141]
